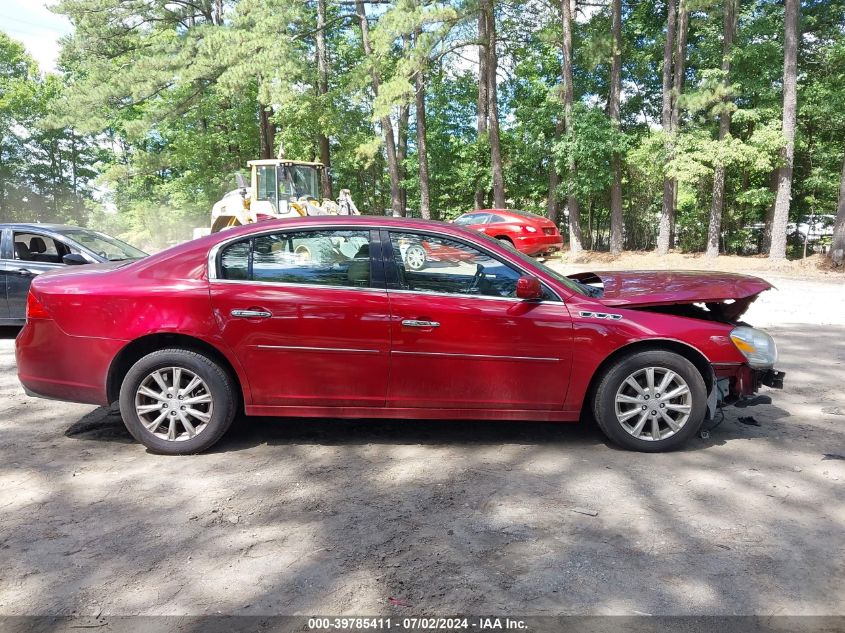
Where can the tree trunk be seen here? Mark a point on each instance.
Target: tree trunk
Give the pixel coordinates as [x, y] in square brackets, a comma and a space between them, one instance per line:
[422, 149]
[790, 103]
[493, 108]
[616, 218]
[552, 206]
[717, 205]
[266, 131]
[322, 90]
[575, 237]
[665, 227]
[837, 247]
[386, 123]
[481, 122]
[402, 150]
[402, 132]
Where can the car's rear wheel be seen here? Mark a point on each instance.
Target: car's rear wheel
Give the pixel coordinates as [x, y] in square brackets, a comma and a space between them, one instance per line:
[650, 401]
[176, 401]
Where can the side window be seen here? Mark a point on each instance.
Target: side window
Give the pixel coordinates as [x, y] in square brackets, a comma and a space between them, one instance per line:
[326, 258]
[495, 219]
[266, 175]
[31, 247]
[428, 263]
[234, 262]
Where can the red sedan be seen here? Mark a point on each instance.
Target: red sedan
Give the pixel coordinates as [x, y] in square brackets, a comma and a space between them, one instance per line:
[321, 317]
[528, 233]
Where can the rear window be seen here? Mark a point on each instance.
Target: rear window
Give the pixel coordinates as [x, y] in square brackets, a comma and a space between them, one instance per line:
[472, 218]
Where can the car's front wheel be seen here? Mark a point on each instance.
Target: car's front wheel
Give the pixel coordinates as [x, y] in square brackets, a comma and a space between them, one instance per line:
[176, 401]
[650, 401]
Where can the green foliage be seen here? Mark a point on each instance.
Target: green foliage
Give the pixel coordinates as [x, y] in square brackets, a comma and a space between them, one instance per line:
[158, 104]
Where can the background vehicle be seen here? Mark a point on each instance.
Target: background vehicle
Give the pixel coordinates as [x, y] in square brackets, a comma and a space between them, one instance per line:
[528, 233]
[27, 250]
[243, 319]
[279, 188]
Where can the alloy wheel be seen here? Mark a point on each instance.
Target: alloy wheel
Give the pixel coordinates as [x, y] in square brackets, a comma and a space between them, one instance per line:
[653, 403]
[174, 404]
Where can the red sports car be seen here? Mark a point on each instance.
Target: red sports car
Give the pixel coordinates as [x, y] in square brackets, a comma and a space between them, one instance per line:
[321, 317]
[528, 233]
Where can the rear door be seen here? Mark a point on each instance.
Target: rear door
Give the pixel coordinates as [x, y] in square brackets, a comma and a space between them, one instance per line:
[461, 338]
[307, 315]
[33, 252]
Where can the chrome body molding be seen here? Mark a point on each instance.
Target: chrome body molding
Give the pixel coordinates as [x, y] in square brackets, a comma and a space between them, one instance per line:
[303, 348]
[477, 356]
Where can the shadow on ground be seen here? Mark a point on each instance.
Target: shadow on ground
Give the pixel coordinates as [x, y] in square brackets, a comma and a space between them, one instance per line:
[326, 516]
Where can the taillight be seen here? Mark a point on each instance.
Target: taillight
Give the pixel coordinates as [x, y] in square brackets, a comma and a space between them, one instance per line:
[34, 308]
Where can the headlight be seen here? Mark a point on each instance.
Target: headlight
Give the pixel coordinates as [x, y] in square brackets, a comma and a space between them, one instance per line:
[757, 346]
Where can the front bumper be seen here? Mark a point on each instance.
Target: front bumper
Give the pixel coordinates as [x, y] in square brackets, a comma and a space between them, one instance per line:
[738, 384]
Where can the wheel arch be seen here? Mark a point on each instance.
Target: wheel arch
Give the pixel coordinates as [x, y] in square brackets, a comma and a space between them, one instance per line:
[140, 347]
[699, 360]
[504, 238]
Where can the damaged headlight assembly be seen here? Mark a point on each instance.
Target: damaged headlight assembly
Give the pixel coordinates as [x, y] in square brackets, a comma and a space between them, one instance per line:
[756, 345]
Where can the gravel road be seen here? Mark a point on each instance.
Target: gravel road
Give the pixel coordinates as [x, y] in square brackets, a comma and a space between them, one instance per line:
[336, 517]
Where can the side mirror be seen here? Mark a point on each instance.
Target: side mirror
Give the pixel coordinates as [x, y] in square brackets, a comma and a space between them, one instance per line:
[528, 287]
[73, 259]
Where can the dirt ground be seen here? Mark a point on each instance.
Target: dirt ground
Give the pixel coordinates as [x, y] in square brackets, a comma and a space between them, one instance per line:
[335, 517]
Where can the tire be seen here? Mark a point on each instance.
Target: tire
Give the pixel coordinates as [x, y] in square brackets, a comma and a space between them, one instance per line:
[315, 251]
[627, 415]
[208, 408]
[415, 258]
[506, 241]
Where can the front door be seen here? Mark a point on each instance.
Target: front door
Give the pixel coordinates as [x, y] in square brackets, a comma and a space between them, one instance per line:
[32, 253]
[305, 315]
[461, 338]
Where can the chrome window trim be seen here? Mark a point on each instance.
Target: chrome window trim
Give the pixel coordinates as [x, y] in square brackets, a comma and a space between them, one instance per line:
[215, 250]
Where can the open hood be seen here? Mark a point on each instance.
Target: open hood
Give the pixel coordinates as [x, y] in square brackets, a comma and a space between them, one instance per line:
[647, 288]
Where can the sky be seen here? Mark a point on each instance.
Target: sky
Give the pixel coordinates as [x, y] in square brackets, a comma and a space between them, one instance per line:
[30, 22]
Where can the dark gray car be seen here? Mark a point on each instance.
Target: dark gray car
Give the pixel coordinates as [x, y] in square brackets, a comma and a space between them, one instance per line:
[27, 250]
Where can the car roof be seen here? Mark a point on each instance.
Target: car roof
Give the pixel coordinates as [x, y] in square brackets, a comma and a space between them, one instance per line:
[38, 225]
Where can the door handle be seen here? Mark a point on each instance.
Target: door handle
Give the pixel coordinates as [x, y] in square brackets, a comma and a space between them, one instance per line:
[251, 314]
[421, 324]
[26, 272]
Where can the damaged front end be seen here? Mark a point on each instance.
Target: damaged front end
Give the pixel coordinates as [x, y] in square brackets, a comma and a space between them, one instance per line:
[718, 297]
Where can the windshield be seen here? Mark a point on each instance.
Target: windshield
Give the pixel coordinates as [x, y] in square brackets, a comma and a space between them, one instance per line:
[575, 286]
[103, 245]
[305, 180]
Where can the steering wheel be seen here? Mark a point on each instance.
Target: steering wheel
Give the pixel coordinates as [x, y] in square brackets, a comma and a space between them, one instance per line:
[476, 279]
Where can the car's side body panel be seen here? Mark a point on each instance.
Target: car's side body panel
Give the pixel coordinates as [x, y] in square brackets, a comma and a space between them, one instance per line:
[490, 359]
